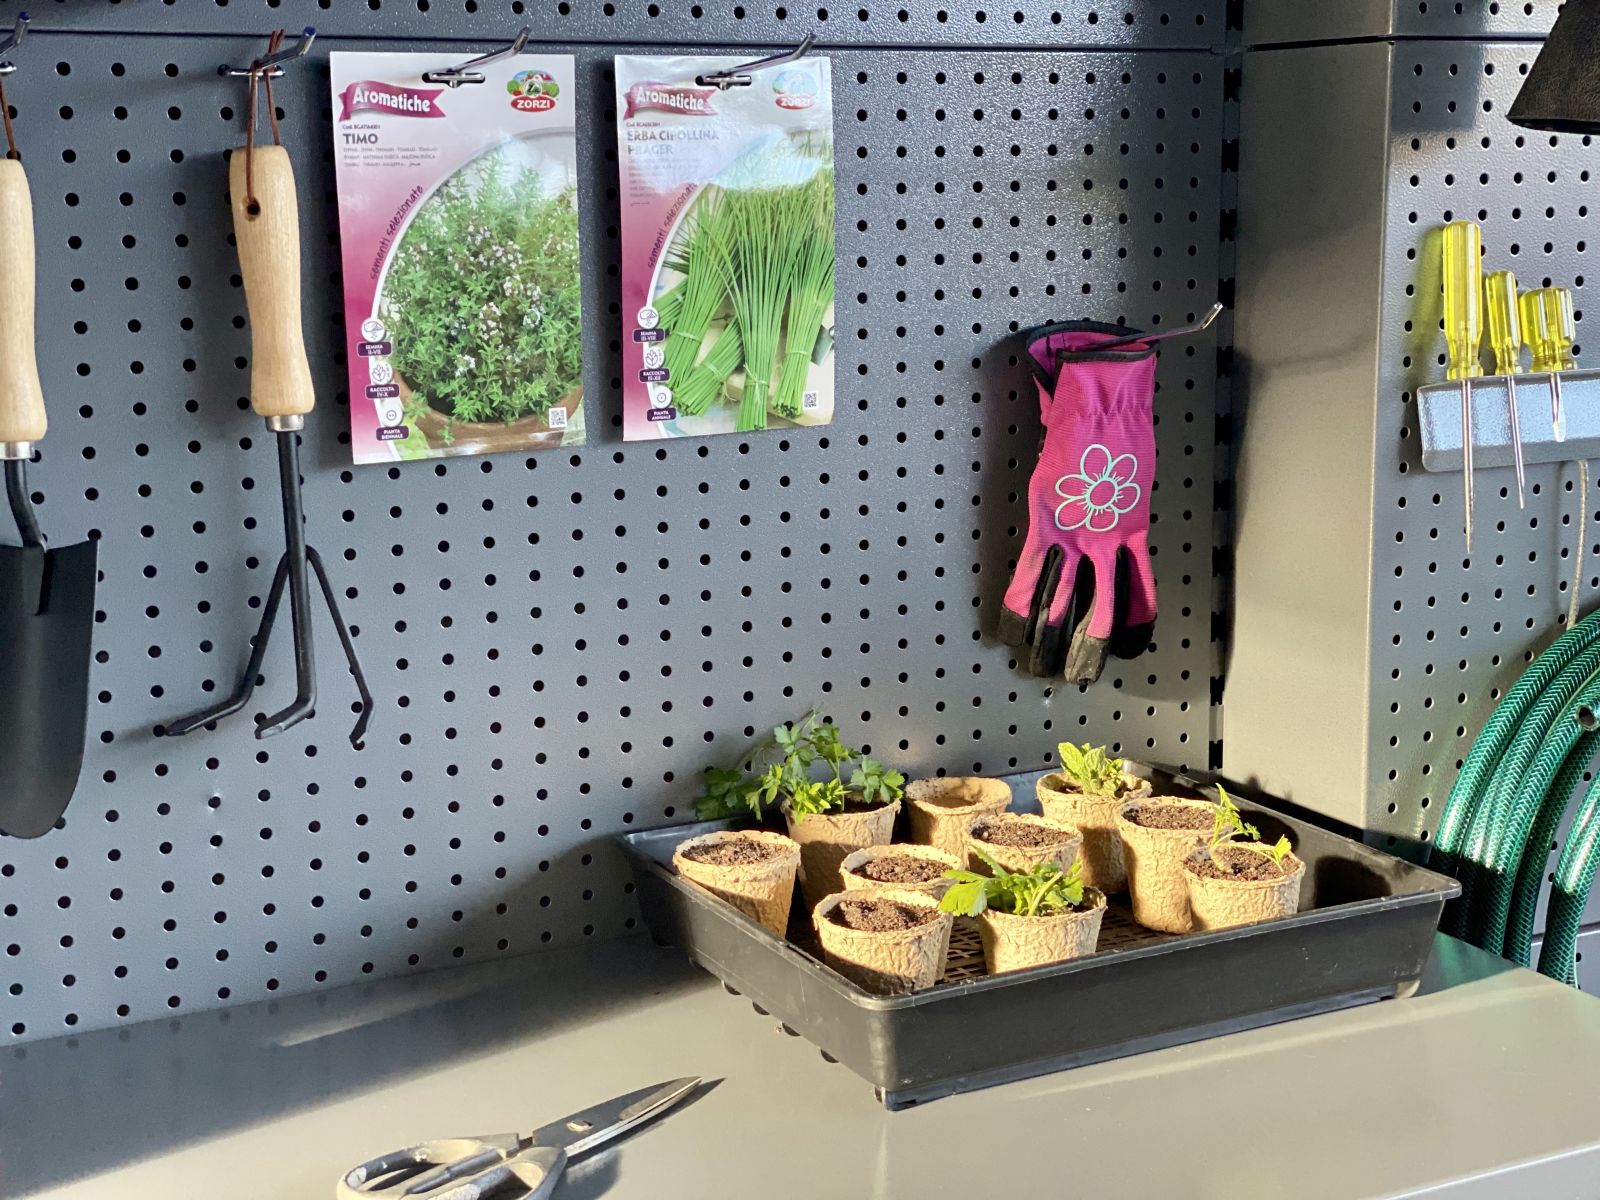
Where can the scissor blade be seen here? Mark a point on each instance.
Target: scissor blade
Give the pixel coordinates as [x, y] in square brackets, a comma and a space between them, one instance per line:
[583, 1131]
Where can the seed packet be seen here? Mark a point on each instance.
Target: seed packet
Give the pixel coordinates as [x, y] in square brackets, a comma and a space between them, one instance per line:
[727, 246]
[459, 222]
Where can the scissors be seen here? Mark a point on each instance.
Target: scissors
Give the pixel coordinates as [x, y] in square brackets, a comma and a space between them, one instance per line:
[505, 1166]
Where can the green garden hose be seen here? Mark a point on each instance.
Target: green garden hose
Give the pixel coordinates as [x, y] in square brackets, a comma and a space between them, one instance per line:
[1513, 789]
[1484, 756]
[1508, 837]
[1535, 856]
[1575, 873]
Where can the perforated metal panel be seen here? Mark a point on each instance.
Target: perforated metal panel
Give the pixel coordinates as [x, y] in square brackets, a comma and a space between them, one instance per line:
[1362, 628]
[1450, 634]
[664, 24]
[558, 643]
[1276, 21]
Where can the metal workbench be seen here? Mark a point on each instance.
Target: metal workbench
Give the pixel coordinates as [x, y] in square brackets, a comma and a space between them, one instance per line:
[1481, 1085]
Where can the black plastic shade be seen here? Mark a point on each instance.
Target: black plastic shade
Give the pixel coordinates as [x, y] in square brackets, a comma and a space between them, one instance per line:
[1562, 91]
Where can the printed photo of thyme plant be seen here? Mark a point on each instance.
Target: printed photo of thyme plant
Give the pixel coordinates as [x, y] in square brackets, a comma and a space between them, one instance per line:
[749, 285]
[482, 294]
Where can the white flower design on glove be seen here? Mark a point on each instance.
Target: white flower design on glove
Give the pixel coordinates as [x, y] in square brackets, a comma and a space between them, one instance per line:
[1102, 490]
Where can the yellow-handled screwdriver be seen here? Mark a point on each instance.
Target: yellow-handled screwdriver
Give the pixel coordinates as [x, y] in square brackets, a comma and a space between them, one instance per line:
[1550, 329]
[1463, 327]
[1505, 344]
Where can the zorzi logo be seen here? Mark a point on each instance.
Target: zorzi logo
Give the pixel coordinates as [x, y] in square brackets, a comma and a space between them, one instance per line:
[795, 89]
[533, 91]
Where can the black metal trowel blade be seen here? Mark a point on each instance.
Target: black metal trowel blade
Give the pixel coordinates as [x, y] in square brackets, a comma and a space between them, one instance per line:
[46, 634]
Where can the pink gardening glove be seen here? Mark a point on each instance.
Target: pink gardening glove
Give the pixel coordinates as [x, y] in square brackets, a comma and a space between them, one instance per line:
[1086, 561]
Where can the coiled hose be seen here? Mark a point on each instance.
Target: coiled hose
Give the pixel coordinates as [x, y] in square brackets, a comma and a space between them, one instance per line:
[1510, 796]
[1569, 894]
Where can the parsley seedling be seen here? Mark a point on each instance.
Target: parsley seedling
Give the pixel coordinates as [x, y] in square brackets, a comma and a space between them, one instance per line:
[792, 757]
[1042, 891]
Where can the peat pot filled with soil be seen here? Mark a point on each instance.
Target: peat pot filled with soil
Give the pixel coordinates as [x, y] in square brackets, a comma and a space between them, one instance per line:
[885, 940]
[1158, 834]
[1240, 884]
[916, 868]
[751, 869]
[941, 809]
[1019, 840]
[1095, 815]
[1015, 942]
[826, 839]
[1027, 918]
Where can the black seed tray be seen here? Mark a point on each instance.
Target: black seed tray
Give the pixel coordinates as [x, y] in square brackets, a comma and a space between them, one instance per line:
[1363, 933]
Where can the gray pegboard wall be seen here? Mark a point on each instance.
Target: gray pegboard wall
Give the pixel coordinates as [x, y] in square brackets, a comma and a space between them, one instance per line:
[1451, 633]
[559, 643]
[1402, 642]
[1273, 22]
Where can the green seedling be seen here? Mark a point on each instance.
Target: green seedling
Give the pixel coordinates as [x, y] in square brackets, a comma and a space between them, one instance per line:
[804, 764]
[1231, 829]
[1040, 892]
[1092, 770]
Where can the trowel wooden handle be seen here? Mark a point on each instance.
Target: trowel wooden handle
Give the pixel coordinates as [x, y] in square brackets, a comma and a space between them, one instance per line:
[267, 229]
[21, 398]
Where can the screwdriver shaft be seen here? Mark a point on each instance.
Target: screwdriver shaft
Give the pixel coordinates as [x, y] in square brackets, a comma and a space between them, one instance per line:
[1466, 456]
[1500, 308]
[1516, 440]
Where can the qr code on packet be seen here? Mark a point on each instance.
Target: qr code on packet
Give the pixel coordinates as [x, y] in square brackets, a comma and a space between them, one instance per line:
[558, 418]
[810, 400]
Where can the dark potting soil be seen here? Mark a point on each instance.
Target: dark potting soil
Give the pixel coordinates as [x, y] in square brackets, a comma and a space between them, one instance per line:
[900, 868]
[854, 805]
[1025, 834]
[880, 916]
[731, 853]
[1242, 865]
[1171, 816]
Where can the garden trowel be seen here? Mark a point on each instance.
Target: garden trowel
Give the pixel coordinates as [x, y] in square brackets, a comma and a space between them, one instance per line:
[46, 596]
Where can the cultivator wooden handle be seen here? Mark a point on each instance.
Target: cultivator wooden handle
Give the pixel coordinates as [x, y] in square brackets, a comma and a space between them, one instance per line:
[266, 226]
[22, 418]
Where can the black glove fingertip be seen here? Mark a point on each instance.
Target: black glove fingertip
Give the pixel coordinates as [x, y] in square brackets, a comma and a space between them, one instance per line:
[1086, 658]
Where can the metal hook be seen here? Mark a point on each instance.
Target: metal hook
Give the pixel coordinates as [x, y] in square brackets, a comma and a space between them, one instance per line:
[13, 40]
[1200, 326]
[271, 65]
[737, 77]
[454, 77]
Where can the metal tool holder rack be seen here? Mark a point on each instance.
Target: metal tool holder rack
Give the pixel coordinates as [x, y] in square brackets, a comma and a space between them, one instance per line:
[559, 642]
[1368, 649]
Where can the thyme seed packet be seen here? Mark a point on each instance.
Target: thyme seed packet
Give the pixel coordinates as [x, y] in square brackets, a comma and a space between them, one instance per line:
[727, 245]
[459, 222]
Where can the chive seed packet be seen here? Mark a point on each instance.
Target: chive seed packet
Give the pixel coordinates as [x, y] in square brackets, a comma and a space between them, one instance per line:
[727, 246]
